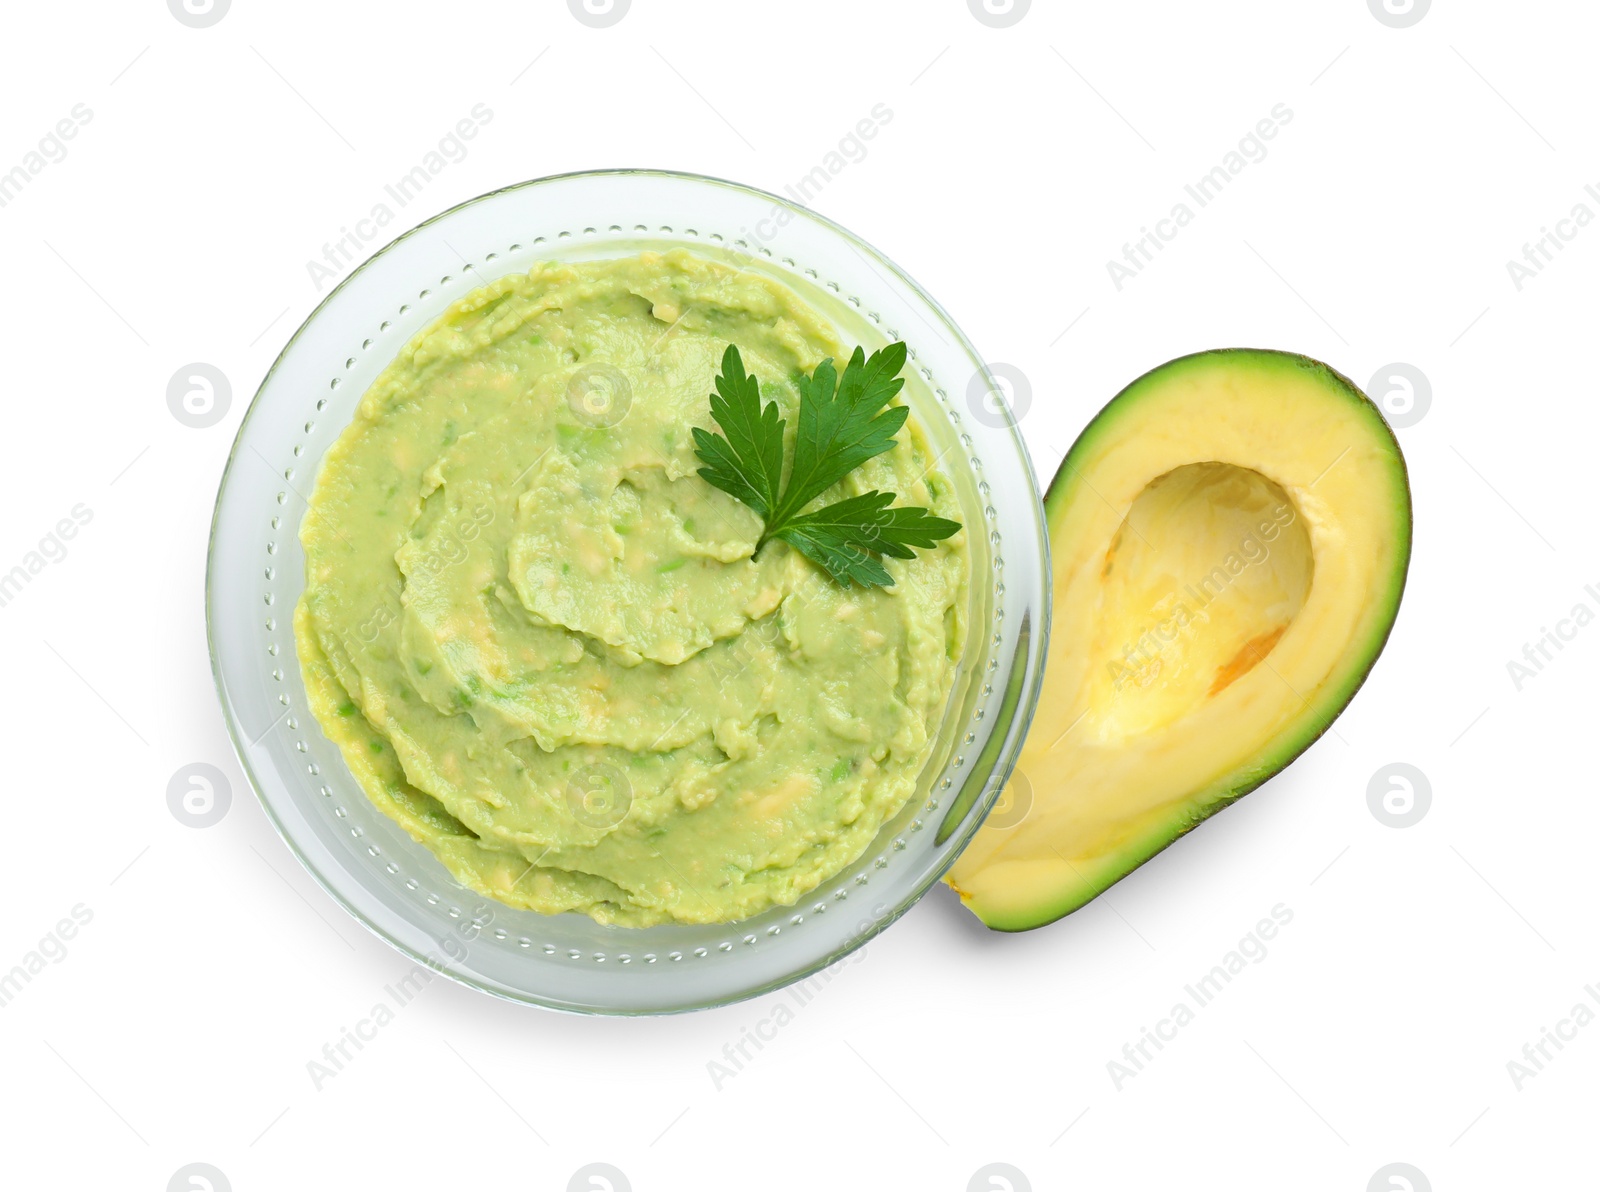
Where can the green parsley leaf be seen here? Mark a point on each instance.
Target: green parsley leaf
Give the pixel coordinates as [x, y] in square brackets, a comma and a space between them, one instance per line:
[843, 537]
[841, 429]
[842, 423]
[748, 463]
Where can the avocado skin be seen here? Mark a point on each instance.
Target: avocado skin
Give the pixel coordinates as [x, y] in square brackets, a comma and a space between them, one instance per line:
[1335, 696]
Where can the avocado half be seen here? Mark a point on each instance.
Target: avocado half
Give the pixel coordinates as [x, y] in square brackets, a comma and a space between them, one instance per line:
[1230, 538]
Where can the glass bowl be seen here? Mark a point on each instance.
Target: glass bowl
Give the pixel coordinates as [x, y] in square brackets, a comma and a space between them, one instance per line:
[255, 574]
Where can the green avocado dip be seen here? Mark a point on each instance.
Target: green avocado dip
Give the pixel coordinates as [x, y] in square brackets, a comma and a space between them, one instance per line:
[539, 637]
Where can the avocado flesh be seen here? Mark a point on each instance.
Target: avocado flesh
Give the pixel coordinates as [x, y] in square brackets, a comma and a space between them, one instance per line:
[1230, 538]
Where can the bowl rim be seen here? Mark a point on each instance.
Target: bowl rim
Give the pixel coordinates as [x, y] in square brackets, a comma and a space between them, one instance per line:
[1037, 635]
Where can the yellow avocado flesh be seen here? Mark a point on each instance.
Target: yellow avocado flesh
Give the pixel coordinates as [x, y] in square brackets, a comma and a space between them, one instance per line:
[1230, 538]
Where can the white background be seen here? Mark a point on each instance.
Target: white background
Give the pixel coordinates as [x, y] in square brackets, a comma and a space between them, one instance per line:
[1018, 161]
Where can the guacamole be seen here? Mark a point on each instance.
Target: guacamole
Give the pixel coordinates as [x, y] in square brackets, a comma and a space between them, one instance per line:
[539, 637]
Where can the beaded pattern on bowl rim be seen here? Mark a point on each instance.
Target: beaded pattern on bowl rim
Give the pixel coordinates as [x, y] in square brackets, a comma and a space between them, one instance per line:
[882, 861]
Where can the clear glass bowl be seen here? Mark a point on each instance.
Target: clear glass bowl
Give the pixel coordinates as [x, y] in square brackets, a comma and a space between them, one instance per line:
[256, 571]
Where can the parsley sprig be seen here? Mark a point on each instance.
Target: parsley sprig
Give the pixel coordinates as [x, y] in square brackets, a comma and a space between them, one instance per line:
[842, 423]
